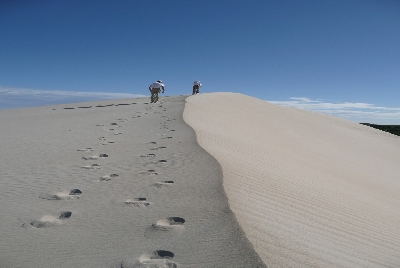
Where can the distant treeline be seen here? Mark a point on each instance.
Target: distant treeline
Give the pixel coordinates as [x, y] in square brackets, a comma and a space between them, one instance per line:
[394, 129]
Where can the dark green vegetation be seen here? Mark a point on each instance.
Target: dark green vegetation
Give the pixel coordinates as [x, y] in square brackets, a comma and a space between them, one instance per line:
[394, 129]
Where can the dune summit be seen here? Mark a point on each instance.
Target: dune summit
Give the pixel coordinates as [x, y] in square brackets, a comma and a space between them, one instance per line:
[309, 190]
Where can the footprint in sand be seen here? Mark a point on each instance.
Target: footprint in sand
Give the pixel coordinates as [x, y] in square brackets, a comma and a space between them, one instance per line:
[64, 195]
[49, 220]
[92, 166]
[155, 259]
[135, 116]
[158, 259]
[159, 162]
[95, 157]
[158, 148]
[149, 172]
[102, 139]
[85, 150]
[165, 228]
[162, 184]
[108, 177]
[107, 143]
[117, 133]
[137, 202]
[166, 138]
[152, 142]
[148, 155]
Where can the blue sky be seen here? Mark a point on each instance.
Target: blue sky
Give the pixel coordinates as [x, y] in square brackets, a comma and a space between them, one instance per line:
[340, 57]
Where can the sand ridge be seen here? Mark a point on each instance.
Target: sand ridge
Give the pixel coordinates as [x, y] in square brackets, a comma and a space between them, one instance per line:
[309, 190]
[119, 183]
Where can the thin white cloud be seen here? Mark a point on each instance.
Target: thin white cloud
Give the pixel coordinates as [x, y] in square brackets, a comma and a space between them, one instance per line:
[359, 112]
[25, 97]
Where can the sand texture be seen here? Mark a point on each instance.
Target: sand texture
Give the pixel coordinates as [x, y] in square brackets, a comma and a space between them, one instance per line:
[119, 183]
[309, 190]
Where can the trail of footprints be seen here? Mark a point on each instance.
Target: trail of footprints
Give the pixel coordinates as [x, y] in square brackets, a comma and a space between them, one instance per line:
[161, 229]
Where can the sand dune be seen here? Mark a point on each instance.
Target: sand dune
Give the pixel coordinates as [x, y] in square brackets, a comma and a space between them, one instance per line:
[124, 183]
[119, 183]
[308, 189]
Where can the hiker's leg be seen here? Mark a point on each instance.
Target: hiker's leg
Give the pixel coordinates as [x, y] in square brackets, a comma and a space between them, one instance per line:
[153, 95]
[158, 92]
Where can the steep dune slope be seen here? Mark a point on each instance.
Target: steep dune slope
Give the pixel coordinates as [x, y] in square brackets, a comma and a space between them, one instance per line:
[308, 189]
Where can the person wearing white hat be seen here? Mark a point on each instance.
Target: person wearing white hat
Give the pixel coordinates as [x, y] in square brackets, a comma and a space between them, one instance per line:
[196, 87]
[155, 88]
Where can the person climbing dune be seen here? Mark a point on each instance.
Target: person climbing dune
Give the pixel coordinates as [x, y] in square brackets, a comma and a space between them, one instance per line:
[155, 88]
[196, 87]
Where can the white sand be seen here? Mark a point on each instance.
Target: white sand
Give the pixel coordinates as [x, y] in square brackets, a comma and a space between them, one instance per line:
[308, 189]
[150, 196]
[127, 185]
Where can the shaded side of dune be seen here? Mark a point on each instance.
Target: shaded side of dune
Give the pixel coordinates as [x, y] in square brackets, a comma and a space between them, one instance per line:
[119, 183]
